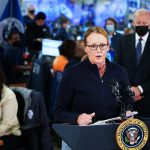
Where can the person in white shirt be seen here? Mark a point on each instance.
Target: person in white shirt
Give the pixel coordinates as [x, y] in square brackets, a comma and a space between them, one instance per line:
[10, 132]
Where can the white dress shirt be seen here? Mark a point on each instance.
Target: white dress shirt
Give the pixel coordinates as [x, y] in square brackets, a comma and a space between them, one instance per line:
[144, 39]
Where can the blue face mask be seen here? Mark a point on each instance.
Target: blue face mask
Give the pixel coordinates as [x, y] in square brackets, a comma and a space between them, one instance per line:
[110, 28]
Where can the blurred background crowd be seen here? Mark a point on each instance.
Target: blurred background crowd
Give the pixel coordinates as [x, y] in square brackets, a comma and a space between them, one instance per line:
[39, 39]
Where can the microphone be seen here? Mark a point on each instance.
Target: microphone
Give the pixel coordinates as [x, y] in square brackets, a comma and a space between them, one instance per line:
[128, 93]
[116, 93]
[116, 90]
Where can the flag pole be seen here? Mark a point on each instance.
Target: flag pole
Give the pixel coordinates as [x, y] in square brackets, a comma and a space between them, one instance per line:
[11, 10]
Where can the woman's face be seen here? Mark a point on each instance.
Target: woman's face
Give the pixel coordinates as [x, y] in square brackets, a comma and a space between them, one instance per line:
[96, 48]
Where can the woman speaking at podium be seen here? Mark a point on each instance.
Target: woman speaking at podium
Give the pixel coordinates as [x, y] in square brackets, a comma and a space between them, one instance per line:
[85, 92]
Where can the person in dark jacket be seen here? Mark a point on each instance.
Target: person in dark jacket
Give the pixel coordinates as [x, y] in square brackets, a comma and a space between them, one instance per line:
[29, 17]
[67, 51]
[114, 36]
[36, 31]
[63, 33]
[137, 62]
[79, 53]
[84, 91]
[111, 27]
[13, 61]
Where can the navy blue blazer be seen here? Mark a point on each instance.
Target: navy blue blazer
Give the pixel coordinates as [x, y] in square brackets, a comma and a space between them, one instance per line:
[82, 90]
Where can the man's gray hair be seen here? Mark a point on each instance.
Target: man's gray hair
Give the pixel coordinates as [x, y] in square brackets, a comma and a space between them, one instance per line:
[142, 10]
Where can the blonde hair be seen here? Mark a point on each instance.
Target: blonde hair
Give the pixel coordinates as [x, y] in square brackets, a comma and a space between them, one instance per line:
[84, 57]
[96, 29]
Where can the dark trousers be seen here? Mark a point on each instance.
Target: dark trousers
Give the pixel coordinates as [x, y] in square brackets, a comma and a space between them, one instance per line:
[11, 142]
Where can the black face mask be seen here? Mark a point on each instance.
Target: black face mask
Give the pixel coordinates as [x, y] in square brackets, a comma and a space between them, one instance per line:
[16, 44]
[141, 30]
[31, 11]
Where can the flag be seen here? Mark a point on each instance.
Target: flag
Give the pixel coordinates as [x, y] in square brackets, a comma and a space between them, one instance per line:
[10, 18]
[10, 8]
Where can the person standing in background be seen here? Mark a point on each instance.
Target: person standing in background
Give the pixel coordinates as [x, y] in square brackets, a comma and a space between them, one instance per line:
[67, 51]
[35, 32]
[29, 17]
[79, 54]
[111, 26]
[63, 32]
[134, 55]
[128, 31]
[13, 60]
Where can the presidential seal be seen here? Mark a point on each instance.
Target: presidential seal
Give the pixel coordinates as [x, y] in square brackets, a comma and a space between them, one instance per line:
[132, 134]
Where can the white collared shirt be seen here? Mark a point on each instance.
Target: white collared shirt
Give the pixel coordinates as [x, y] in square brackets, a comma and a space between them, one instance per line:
[144, 39]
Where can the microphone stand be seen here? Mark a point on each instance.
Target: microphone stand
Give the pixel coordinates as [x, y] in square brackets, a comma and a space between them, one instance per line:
[116, 93]
[119, 99]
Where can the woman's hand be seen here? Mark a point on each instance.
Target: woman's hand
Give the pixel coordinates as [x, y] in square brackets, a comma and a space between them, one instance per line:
[85, 119]
[129, 114]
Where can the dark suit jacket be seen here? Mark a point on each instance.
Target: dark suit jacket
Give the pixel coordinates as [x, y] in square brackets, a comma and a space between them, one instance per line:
[138, 75]
[114, 41]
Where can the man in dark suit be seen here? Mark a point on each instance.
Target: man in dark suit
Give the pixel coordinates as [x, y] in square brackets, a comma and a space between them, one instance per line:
[134, 55]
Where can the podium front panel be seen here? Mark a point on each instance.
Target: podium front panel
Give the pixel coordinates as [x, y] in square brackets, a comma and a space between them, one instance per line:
[88, 137]
[97, 137]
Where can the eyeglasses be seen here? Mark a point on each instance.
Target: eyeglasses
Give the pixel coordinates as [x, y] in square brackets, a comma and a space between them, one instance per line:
[102, 47]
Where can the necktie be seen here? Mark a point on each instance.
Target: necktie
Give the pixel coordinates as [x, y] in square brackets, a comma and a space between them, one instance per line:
[139, 50]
